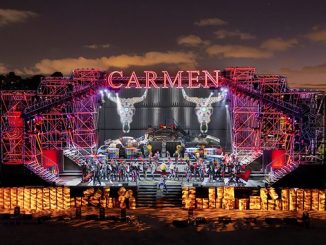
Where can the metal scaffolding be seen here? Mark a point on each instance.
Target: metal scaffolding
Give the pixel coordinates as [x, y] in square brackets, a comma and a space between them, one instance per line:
[265, 114]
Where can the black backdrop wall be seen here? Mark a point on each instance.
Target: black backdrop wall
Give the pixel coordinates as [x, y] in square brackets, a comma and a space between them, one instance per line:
[164, 106]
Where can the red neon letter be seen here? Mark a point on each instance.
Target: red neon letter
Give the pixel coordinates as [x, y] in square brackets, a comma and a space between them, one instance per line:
[110, 78]
[133, 80]
[208, 75]
[193, 79]
[168, 78]
[150, 78]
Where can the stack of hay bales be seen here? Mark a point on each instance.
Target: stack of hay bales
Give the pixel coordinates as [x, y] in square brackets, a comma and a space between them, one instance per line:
[285, 199]
[6, 197]
[87, 194]
[66, 197]
[314, 200]
[212, 197]
[27, 199]
[278, 204]
[20, 197]
[1, 198]
[271, 203]
[185, 196]
[254, 203]
[13, 198]
[132, 200]
[264, 198]
[192, 197]
[219, 197]
[292, 199]
[46, 198]
[307, 200]
[199, 203]
[205, 203]
[228, 201]
[60, 198]
[33, 198]
[126, 195]
[243, 203]
[300, 200]
[39, 199]
[78, 202]
[109, 203]
[121, 198]
[321, 200]
[53, 198]
[94, 200]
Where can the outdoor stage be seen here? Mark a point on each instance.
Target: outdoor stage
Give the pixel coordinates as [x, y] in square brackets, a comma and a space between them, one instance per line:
[76, 181]
[264, 126]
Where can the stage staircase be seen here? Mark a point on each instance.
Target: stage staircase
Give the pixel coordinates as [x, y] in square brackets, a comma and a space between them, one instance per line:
[74, 155]
[148, 195]
[43, 173]
[272, 176]
[248, 157]
[170, 198]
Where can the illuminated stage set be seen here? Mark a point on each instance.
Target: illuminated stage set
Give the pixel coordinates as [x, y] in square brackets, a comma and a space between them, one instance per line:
[189, 128]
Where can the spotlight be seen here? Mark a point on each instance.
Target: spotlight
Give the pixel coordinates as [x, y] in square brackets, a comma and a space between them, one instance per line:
[107, 94]
[226, 105]
[211, 93]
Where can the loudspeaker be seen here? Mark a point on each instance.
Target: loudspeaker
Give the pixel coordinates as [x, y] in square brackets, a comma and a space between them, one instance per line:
[102, 213]
[123, 214]
[78, 213]
[17, 211]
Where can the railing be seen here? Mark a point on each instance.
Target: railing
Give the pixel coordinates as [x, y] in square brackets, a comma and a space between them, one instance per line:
[274, 175]
[280, 104]
[44, 173]
[74, 155]
[48, 104]
[248, 158]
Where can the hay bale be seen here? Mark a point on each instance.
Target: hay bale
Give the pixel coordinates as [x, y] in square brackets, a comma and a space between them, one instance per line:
[285, 199]
[254, 203]
[307, 200]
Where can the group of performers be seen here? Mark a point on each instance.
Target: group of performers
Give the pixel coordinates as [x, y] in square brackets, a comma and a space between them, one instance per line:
[216, 170]
[119, 170]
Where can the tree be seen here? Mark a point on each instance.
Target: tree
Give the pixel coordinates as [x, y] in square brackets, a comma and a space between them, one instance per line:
[57, 74]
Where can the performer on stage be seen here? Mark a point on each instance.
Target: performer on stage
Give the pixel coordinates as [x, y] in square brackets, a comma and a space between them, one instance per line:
[97, 172]
[153, 167]
[145, 169]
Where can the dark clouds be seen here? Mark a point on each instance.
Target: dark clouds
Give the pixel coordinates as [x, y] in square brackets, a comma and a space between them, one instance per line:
[286, 37]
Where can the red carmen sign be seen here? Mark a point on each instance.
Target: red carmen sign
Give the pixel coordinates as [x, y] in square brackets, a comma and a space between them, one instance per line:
[150, 79]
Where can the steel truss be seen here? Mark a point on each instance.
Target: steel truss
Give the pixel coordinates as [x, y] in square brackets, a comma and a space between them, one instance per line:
[68, 112]
[265, 114]
[13, 147]
[272, 116]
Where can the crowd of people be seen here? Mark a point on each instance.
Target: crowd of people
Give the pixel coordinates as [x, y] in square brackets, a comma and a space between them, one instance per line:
[134, 170]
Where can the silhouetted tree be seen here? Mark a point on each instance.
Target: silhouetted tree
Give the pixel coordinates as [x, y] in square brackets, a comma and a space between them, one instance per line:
[57, 74]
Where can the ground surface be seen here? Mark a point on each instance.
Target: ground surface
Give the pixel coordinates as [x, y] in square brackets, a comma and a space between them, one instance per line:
[155, 226]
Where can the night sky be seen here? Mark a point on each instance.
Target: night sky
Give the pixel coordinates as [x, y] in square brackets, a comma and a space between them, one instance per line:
[282, 37]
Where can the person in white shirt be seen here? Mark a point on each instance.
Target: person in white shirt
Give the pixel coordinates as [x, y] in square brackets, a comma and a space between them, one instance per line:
[171, 170]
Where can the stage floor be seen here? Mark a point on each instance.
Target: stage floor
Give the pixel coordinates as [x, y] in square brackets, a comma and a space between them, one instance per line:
[76, 181]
